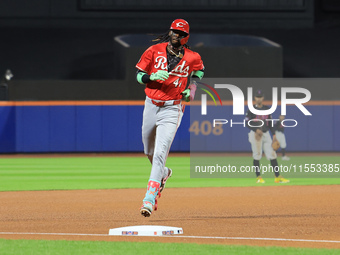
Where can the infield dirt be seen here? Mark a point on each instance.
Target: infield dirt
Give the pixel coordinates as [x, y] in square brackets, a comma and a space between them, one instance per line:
[289, 212]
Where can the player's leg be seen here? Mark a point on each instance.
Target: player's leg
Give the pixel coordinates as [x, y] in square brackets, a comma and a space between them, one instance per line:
[148, 137]
[270, 153]
[149, 130]
[256, 147]
[272, 156]
[167, 122]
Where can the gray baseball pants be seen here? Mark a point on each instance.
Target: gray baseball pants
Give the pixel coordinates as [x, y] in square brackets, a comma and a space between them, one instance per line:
[159, 128]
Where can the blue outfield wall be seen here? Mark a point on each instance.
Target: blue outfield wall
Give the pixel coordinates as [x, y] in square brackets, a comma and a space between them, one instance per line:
[7, 129]
[117, 128]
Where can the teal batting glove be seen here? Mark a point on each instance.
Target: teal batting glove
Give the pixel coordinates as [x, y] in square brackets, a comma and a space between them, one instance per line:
[159, 75]
[186, 95]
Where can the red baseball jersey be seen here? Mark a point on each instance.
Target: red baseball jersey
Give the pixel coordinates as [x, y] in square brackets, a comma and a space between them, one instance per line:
[155, 58]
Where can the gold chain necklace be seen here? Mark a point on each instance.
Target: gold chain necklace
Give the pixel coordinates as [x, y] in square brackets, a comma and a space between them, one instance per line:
[179, 55]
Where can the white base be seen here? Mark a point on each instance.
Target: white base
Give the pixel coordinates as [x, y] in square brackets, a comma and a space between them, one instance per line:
[145, 230]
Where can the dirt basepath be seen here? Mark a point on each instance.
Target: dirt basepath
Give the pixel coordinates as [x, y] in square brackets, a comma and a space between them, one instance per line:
[289, 212]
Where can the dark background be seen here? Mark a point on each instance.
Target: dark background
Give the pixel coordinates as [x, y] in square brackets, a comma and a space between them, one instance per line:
[68, 44]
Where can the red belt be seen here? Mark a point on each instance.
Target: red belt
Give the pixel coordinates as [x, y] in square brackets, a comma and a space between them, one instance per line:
[163, 102]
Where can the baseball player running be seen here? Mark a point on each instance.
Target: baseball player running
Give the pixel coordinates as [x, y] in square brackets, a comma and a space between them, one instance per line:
[165, 68]
[280, 136]
[261, 140]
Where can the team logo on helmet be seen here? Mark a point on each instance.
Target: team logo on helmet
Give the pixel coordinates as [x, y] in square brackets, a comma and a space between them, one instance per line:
[180, 24]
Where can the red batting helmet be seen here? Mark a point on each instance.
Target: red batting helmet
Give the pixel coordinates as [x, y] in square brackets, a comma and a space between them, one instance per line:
[181, 25]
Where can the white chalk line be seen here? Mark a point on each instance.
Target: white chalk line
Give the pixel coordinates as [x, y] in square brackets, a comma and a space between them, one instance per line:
[181, 236]
[261, 239]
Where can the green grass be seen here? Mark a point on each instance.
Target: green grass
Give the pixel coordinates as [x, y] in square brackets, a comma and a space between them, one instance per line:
[127, 172]
[41, 247]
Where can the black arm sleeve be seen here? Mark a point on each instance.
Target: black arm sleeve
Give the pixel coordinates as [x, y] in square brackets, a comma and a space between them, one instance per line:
[145, 77]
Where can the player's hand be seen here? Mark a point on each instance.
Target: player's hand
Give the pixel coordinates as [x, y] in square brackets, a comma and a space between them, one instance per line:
[159, 75]
[186, 95]
[275, 144]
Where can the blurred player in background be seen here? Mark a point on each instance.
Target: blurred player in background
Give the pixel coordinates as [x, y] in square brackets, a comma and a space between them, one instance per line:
[165, 68]
[280, 136]
[261, 140]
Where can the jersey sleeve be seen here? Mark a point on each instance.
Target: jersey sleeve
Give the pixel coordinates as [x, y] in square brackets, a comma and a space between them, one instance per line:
[198, 63]
[144, 62]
